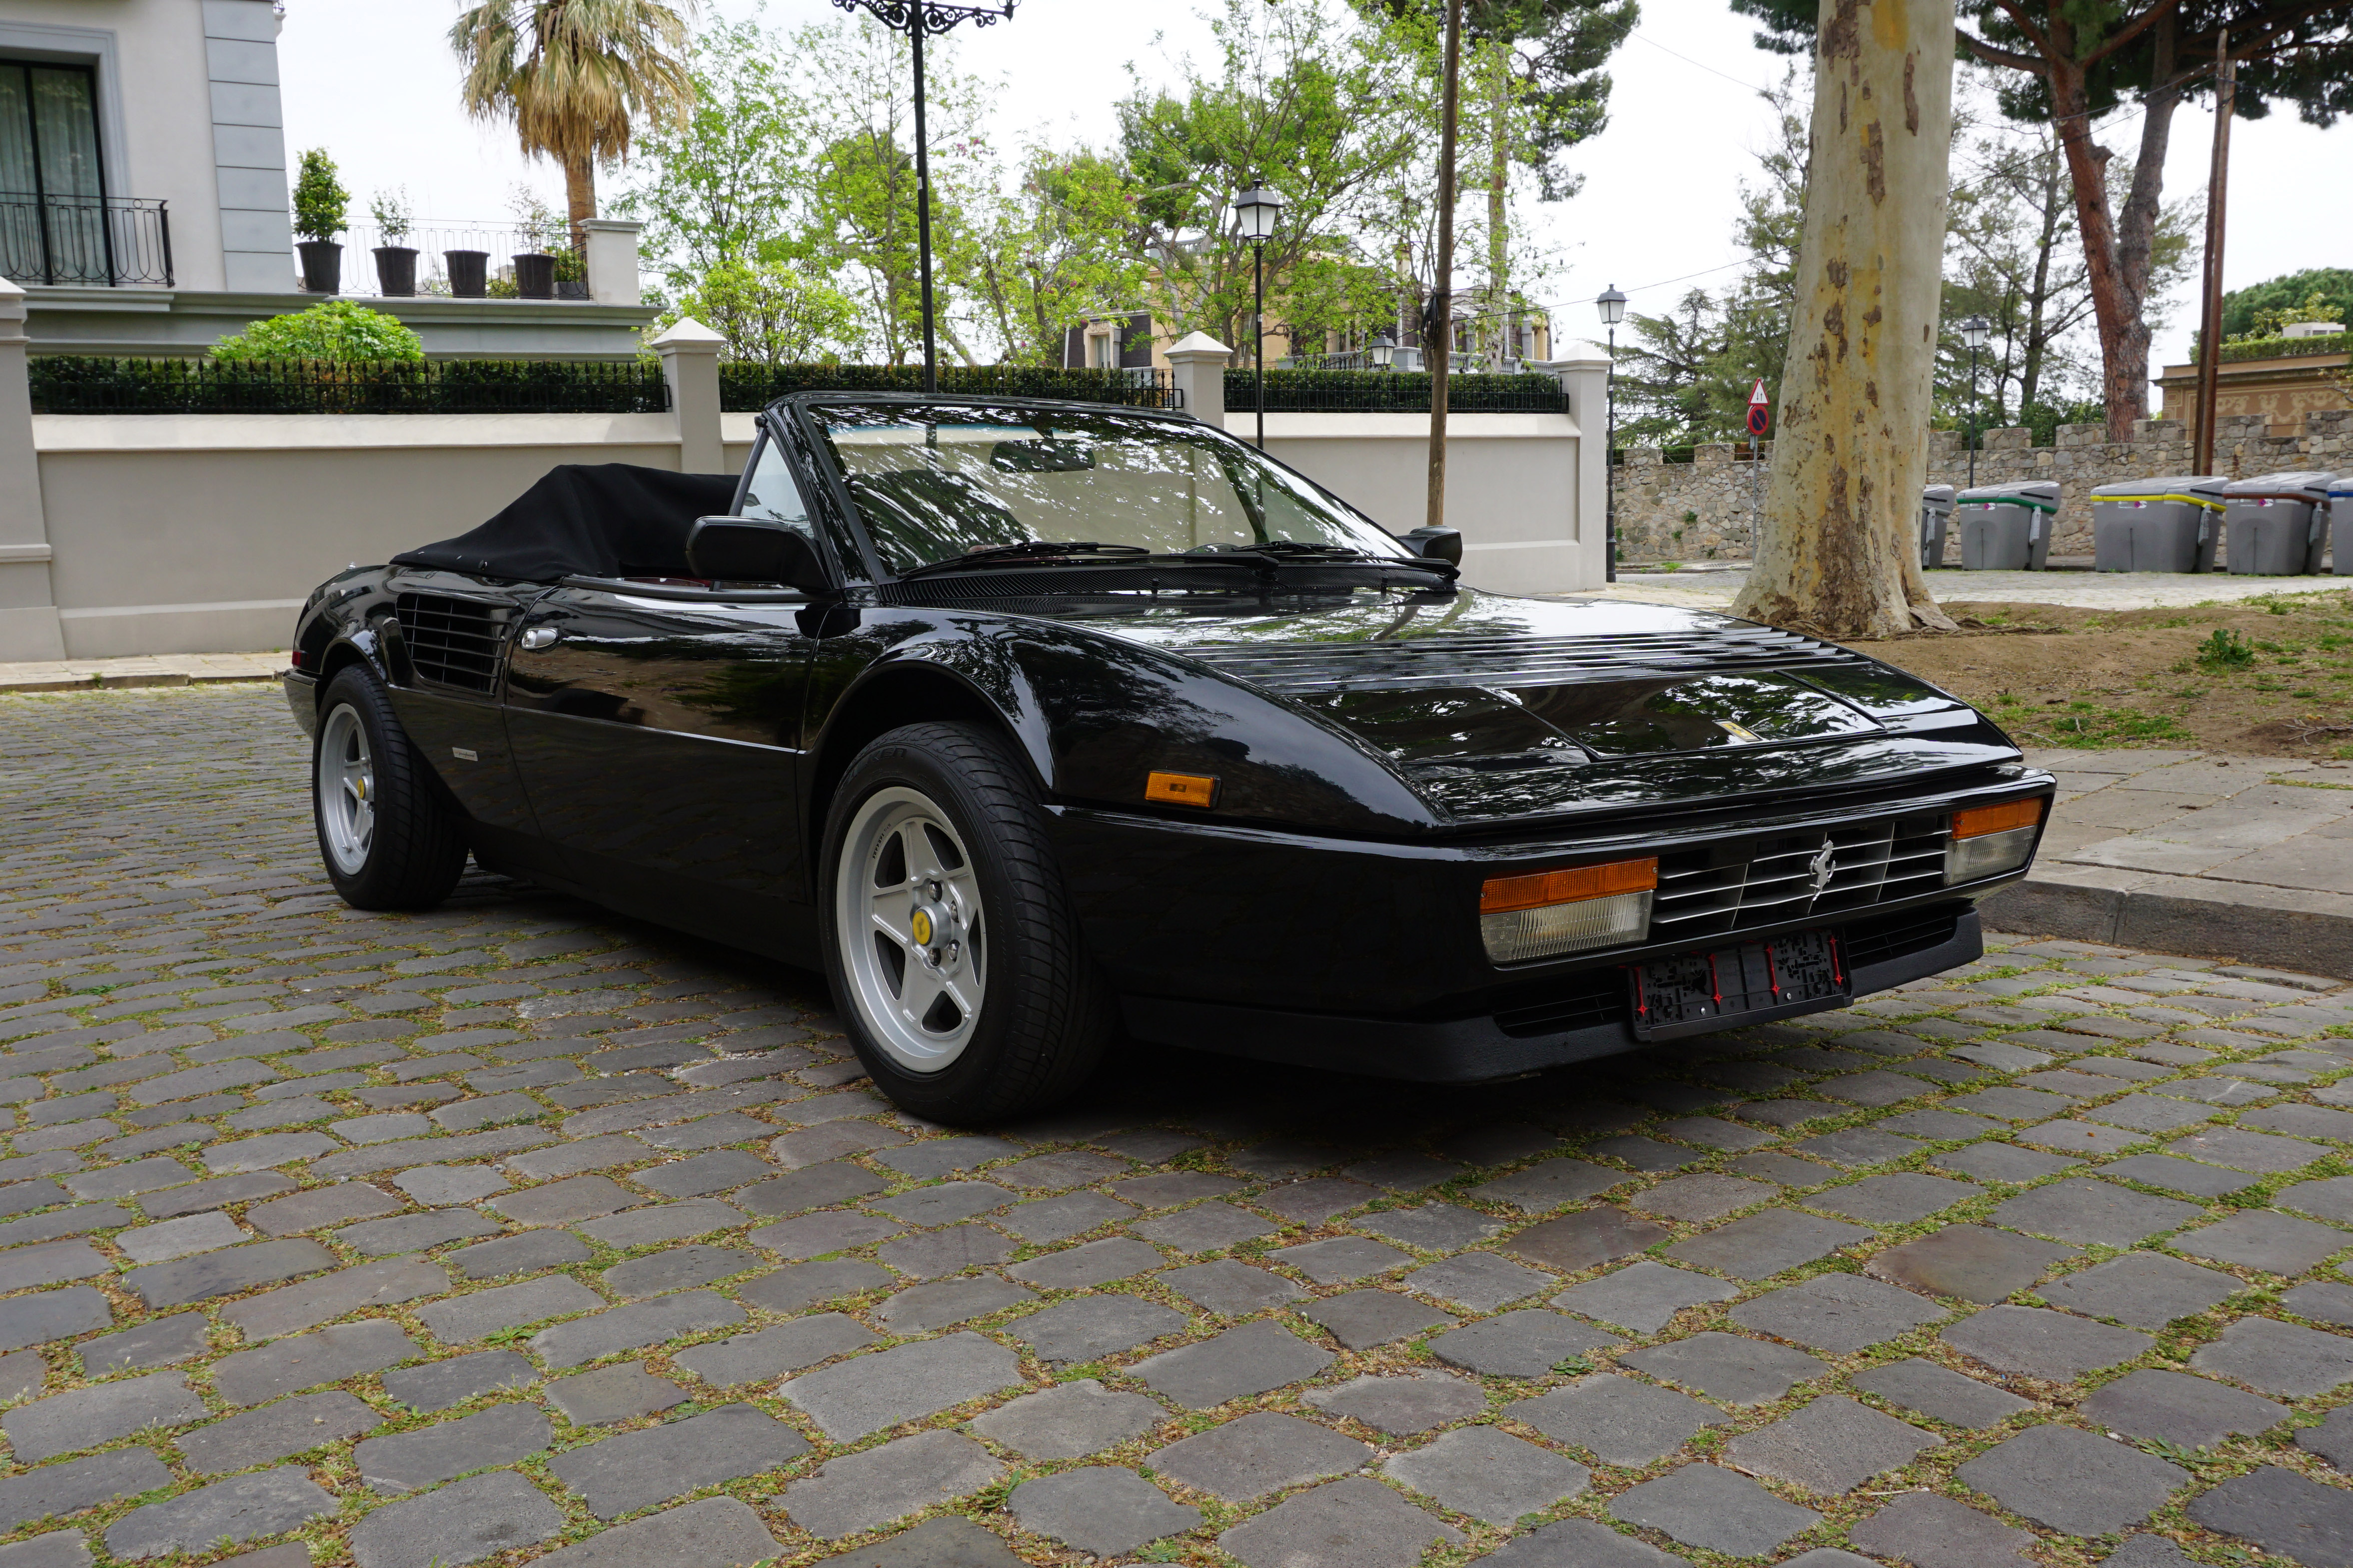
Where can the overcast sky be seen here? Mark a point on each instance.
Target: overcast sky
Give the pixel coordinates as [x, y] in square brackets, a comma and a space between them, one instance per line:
[1655, 215]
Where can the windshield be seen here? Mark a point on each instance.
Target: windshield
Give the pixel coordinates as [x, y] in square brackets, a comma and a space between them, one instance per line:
[934, 483]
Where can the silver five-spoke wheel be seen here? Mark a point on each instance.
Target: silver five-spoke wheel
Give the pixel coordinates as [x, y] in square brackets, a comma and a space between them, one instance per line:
[911, 929]
[346, 790]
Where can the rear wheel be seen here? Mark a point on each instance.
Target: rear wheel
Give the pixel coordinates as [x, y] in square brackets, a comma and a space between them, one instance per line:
[387, 841]
[948, 935]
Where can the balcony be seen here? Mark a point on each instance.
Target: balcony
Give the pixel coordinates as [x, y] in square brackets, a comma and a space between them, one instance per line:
[109, 241]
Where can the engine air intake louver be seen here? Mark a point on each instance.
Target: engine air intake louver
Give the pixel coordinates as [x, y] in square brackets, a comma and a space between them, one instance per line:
[1517, 661]
[453, 642]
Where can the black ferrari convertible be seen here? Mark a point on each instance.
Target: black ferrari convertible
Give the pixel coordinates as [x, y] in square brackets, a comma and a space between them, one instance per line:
[1039, 725]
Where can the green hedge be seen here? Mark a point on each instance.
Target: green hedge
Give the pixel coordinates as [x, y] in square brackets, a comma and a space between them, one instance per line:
[2288, 348]
[71, 383]
[745, 387]
[1391, 392]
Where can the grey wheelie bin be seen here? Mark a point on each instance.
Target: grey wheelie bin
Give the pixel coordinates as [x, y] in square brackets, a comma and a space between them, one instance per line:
[2274, 529]
[2007, 527]
[2340, 521]
[1935, 513]
[2167, 524]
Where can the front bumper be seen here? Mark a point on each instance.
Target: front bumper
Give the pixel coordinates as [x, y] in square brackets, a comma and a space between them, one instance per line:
[1583, 1021]
[302, 697]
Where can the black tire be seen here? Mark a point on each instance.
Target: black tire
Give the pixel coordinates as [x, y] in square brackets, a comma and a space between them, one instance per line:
[1045, 1016]
[414, 847]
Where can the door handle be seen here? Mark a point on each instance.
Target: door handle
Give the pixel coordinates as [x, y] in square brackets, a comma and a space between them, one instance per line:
[538, 638]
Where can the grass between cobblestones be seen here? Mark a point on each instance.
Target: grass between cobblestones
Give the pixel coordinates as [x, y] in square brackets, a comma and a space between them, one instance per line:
[159, 862]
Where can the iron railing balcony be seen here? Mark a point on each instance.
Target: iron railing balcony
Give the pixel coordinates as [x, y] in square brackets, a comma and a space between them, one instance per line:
[104, 240]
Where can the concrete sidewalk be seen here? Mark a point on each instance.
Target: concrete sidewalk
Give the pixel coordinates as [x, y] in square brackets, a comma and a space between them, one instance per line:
[154, 669]
[1712, 587]
[2195, 853]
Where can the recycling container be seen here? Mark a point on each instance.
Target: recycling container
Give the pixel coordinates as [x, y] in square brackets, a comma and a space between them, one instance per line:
[2272, 523]
[2007, 527]
[2167, 524]
[2340, 521]
[1936, 512]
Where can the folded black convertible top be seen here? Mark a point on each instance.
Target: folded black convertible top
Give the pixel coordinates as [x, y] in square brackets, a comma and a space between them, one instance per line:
[603, 519]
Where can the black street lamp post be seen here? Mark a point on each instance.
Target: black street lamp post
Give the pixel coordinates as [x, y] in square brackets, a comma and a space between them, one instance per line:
[1612, 304]
[1974, 332]
[919, 19]
[1256, 209]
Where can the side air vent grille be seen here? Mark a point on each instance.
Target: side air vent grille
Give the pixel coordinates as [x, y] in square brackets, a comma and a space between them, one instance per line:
[1300, 668]
[453, 642]
[1746, 883]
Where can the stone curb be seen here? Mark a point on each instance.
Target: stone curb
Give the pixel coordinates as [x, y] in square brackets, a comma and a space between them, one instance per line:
[2238, 921]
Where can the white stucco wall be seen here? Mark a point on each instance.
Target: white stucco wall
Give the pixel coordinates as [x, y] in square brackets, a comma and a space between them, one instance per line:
[156, 108]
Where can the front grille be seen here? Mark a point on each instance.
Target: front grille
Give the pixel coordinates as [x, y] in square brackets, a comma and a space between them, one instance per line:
[1745, 884]
[453, 642]
[1509, 661]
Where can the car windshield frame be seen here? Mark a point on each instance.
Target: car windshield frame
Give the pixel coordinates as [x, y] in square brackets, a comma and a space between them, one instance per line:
[964, 419]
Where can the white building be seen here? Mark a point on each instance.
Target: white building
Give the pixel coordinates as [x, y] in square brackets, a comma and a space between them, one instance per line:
[144, 193]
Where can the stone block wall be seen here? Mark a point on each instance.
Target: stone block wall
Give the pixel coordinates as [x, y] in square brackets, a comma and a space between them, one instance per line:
[1705, 509]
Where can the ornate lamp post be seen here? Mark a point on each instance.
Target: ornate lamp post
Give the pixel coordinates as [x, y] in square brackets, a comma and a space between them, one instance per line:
[1256, 210]
[1383, 350]
[1611, 305]
[918, 19]
[1974, 332]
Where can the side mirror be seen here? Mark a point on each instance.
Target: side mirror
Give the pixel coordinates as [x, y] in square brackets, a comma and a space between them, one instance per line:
[1437, 544]
[739, 550]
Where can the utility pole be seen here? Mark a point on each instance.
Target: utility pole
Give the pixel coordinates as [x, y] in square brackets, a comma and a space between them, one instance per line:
[2210, 326]
[1439, 322]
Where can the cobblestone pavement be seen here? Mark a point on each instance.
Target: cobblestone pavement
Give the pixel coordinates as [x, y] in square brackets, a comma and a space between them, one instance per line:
[1715, 589]
[516, 1230]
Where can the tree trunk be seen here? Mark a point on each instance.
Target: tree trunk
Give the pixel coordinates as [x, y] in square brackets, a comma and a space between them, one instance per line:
[1836, 553]
[1498, 232]
[580, 196]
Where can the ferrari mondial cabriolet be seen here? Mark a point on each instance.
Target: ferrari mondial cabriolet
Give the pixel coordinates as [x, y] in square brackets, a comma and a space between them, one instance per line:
[1040, 725]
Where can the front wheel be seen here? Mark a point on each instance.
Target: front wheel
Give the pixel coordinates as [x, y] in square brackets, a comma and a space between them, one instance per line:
[389, 844]
[948, 936]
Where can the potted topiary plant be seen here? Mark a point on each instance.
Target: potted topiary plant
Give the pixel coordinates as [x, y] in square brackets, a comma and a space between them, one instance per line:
[396, 262]
[320, 204]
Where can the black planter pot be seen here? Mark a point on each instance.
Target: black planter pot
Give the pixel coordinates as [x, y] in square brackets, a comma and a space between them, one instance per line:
[469, 273]
[396, 271]
[323, 266]
[571, 289]
[535, 275]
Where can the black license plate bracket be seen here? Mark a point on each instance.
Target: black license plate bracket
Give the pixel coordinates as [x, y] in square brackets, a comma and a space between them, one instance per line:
[1738, 982]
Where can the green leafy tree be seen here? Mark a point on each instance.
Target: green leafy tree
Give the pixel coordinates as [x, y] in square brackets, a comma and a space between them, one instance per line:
[1056, 253]
[574, 77]
[340, 329]
[2070, 63]
[320, 203]
[2261, 309]
[769, 312]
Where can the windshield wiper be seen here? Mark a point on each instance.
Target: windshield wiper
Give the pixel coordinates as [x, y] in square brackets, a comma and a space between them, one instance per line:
[1291, 548]
[1273, 552]
[1028, 550]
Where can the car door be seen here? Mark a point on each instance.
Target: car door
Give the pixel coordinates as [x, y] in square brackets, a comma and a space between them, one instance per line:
[658, 729]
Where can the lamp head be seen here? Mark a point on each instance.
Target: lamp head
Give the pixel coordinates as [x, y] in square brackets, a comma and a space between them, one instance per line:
[1975, 331]
[1612, 304]
[1384, 351]
[1256, 210]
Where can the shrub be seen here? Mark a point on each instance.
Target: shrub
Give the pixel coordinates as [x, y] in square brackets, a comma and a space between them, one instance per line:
[2225, 649]
[320, 199]
[340, 331]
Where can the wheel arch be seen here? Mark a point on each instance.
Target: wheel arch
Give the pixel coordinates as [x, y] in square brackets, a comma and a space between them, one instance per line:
[910, 690]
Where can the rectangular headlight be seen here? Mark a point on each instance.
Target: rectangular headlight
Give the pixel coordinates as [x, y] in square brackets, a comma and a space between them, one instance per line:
[1988, 840]
[1553, 912]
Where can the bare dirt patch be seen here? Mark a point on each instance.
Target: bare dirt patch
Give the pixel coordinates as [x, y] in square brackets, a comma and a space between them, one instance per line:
[2271, 676]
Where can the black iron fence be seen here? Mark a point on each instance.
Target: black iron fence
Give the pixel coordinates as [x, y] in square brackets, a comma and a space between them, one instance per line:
[745, 387]
[74, 384]
[1391, 392]
[103, 241]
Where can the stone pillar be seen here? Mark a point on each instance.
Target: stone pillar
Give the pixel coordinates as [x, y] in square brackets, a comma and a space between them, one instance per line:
[612, 258]
[1584, 374]
[690, 361]
[28, 608]
[1197, 362]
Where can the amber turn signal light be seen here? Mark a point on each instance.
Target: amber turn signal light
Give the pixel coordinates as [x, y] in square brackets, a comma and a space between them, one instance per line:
[1977, 821]
[1181, 789]
[1506, 893]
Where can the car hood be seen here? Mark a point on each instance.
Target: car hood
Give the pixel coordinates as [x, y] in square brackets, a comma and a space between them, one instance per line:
[1493, 708]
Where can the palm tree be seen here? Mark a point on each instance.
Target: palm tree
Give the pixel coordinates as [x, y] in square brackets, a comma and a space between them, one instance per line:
[570, 75]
